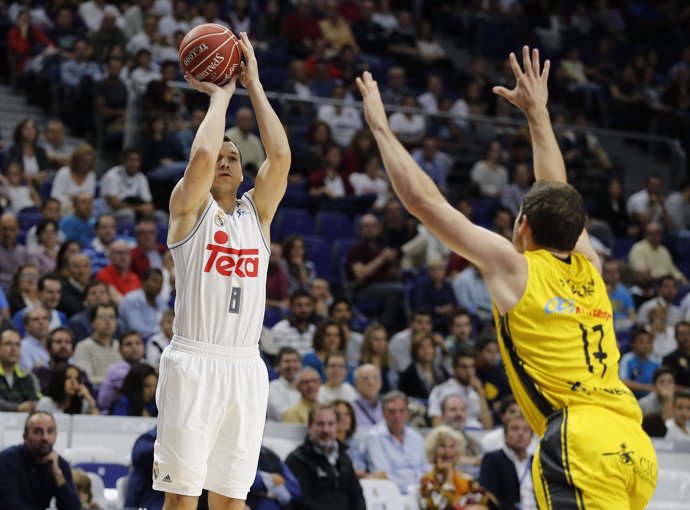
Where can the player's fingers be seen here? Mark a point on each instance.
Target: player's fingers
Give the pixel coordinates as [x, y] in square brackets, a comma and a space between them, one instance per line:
[515, 66]
[246, 43]
[526, 61]
[362, 87]
[502, 91]
[545, 71]
[535, 61]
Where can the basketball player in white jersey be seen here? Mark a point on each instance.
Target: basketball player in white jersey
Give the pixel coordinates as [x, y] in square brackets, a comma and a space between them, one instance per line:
[213, 386]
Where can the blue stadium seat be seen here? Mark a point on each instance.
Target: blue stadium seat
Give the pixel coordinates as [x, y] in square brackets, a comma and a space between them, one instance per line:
[272, 316]
[28, 217]
[319, 252]
[294, 221]
[124, 228]
[109, 472]
[340, 249]
[483, 210]
[410, 298]
[44, 189]
[296, 198]
[333, 225]
[621, 247]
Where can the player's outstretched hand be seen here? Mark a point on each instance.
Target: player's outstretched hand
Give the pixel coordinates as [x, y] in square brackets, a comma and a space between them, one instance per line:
[249, 69]
[374, 113]
[531, 89]
[211, 88]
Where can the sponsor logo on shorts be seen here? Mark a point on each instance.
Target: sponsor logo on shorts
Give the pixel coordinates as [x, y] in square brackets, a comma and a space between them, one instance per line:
[227, 261]
[644, 468]
[156, 471]
[167, 478]
[189, 58]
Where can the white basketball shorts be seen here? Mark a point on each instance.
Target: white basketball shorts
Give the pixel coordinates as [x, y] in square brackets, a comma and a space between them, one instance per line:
[211, 415]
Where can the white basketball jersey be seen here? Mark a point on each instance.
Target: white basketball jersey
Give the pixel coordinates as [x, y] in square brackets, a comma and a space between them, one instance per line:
[220, 277]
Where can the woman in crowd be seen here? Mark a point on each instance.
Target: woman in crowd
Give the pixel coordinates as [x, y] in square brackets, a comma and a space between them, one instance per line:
[75, 179]
[23, 288]
[423, 374]
[67, 249]
[335, 387]
[67, 394]
[375, 351]
[445, 487]
[46, 251]
[31, 157]
[137, 397]
[328, 337]
[300, 271]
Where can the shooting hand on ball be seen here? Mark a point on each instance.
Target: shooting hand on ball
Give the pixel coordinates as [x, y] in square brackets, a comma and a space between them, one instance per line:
[211, 88]
[249, 70]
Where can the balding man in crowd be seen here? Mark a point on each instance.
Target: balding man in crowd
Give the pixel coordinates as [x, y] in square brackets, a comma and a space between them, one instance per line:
[117, 274]
[367, 405]
[247, 142]
[12, 255]
[308, 384]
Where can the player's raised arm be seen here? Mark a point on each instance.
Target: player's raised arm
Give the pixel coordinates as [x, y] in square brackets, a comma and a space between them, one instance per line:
[271, 181]
[531, 94]
[422, 198]
[191, 193]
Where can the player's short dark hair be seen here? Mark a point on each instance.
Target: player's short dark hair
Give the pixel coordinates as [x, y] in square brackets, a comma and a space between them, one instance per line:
[228, 139]
[556, 215]
[661, 371]
[284, 351]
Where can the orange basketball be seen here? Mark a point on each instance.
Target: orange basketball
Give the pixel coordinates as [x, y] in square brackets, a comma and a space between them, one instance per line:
[210, 53]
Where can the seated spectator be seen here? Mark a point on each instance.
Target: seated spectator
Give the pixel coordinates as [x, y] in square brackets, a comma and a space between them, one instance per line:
[282, 392]
[619, 295]
[82, 484]
[12, 254]
[73, 289]
[472, 294]
[636, 368]
[374, 351]
[647, 205]
[436, 294]
[158, 146]
[461, 335]
[394, 447]
[513, 194]
[60, 346]
[649, 258]
[16, 191]
[275, 487]
[23, 291]
[300, 271]
[454, 415]
[116, 274]
[664, 341]
[495, 439]
[249, 145]
[678, 426]
[32, 473]
[490, 370]
[408, 127]
[137, 396]
[302, 29]
[140, 494]
[49, 292]
[147, 254]
[96, 294]
[335, 28]
[25, 151]
[489, 174]
[506, 473]
[340, 311]
[50, 210]
[678, 207]
[21, 395]
[328, 338]
[666, 292]
[660, 400]
[308, 384]
[445, 486]
[679, 360]
[361, 149]
[159, 341]
[466, 384]
[67, 394]
[323, 459]
[34, 351]
[97, 250]
[45, 252]
[434, 93]
[110, 107]
[140, 309]
[126, 190]
[435, 163]
[368, 410]
[344, 121]
[346, 432]
[330, 184]
[132, 352]
[297, 330]
[57, 149]
[611, 209]
[335, 387]
[75, 179]
[321, 294]
[371, 181]
[400, 346]
[79, 225]
[423, 374]
[100, 350]
[276, 279]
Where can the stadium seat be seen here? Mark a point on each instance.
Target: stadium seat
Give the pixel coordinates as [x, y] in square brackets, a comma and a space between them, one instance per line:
[332, 225]
[280, 446]
[673, 486]
[97, 489]
[382, 495]
[109, 472]
[293, 221]
[272, 316]
[621, 247]
[44, 189]
[319, 252]
[28, 218]
[121, 487]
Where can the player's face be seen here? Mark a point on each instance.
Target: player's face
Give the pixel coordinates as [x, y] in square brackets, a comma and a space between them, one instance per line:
[446, 450]
[324, 428]
[228, 169]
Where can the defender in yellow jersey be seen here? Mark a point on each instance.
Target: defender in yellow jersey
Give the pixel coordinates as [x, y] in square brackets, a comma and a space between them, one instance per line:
[552, 312]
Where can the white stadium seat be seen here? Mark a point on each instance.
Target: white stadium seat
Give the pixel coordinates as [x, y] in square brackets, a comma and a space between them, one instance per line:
[382, 495]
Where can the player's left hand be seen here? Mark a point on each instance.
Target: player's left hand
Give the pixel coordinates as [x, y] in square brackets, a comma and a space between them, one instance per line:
[249, 69]
[374, 112]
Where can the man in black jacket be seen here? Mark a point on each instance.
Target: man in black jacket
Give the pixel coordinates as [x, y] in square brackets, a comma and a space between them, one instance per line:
[31, 474]
[323, 468]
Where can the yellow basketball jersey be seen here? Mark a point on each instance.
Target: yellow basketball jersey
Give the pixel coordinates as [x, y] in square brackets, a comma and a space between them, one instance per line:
[558, 343]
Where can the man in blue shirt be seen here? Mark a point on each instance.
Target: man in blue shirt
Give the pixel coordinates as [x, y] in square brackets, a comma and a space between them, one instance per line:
[141, 309]
[31, 474]
[395, 448]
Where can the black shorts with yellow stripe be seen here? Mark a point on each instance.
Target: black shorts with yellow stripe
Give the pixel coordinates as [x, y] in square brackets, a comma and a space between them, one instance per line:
[595, 459]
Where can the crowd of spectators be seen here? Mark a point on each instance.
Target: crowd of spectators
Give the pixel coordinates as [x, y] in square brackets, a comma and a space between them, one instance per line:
[392, 331]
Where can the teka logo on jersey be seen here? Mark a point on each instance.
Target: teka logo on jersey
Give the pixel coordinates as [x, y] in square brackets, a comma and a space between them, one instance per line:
[226, 260]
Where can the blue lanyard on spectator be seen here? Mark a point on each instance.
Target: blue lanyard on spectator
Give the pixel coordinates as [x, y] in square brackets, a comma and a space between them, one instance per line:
[528, 468]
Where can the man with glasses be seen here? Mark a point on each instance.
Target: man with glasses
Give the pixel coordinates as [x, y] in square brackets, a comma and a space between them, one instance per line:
[49, 293]
[18, 390]
[96, 353]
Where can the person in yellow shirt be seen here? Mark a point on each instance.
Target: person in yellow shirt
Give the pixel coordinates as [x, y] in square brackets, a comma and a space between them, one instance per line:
[552, 313]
